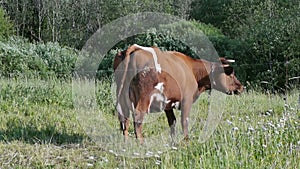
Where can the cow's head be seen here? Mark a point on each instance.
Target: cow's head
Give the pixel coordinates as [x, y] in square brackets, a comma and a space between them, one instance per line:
[223, 78]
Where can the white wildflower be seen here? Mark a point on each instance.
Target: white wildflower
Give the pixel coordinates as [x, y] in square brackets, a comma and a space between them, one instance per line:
[267, 113]
[105, 159]
[264, 128]
[157, 162]
[247, 117]
[282, 120]
[157, 156]
[271, 124]
[235, 128]
[229, 122]
[251, 128]
[89, 165]
[174, 148]
[149, 153]
[278, 125]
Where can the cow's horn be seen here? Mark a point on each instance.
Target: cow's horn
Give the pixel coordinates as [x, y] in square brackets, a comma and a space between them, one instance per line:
[230, 60]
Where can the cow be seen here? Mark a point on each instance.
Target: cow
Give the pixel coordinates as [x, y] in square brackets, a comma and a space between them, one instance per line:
[151, 80]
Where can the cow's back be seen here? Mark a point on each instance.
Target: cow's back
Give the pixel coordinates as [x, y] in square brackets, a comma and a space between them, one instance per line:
[176, 74]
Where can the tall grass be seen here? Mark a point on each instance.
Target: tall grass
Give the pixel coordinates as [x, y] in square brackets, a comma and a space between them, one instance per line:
[39, 129]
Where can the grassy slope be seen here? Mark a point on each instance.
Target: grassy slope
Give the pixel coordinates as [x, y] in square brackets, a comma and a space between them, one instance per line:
[38, 129]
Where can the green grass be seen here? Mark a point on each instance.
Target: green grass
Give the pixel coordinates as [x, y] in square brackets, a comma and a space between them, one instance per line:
[41, 128]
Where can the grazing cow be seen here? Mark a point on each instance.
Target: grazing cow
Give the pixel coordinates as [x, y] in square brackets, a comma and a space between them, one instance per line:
[151, 80]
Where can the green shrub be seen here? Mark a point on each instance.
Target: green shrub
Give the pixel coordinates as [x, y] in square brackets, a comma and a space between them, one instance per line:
[18, 58]
[57, 59]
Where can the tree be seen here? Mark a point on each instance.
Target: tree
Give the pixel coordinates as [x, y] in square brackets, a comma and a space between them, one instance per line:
[72, 22]
[210, 11]
[6, 26]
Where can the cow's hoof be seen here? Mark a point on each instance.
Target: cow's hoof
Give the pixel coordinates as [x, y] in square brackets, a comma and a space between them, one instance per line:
[185, 141]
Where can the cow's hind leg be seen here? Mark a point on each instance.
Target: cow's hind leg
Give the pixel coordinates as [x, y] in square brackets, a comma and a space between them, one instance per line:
[123, 115]
[124, 126]
[172, 121]
[138, 117]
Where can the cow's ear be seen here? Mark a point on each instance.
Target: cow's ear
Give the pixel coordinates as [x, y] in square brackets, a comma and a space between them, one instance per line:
[223, 60]
[228, 70]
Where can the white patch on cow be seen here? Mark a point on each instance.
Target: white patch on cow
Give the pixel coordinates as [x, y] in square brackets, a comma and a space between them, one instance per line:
[151, 50]
[175, 105]
[160, 87]
[159, 97]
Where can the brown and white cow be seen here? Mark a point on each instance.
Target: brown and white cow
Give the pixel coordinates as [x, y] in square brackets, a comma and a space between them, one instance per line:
[151, 80]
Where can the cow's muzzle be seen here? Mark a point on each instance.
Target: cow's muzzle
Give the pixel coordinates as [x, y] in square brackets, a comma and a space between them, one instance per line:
[235, 92]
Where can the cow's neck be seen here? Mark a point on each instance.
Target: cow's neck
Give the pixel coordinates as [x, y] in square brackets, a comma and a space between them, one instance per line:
[202, 69]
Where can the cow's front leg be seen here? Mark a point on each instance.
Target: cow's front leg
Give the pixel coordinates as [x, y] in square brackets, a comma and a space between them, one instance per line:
[172, 121]
[138, 125]
[185, 110]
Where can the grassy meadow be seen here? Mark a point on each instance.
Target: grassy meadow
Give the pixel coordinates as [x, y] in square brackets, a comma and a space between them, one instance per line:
[39, 128]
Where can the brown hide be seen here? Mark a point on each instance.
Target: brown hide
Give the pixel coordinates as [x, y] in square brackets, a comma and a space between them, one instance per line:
[182, 79]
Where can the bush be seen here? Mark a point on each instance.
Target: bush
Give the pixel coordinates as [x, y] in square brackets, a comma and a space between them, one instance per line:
[18, 58]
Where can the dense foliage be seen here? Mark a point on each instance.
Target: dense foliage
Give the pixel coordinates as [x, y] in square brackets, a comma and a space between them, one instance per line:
[18, 57]
[262, 36]
[270, 30]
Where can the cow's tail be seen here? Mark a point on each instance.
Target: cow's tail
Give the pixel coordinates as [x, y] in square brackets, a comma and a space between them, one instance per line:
[126, 61]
